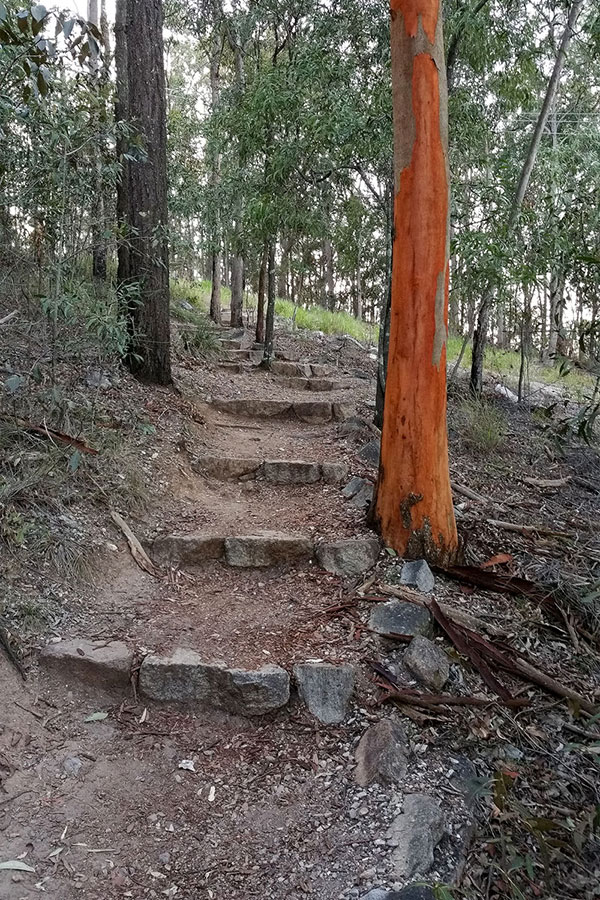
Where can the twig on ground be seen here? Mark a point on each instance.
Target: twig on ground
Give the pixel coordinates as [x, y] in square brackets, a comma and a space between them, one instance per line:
[137, 551]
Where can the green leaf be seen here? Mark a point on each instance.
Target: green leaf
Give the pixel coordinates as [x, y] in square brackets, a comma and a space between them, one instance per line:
[74, 461]
[39, 12]
[13, 383]
[96, 717]
[42, 84]
[3, 12]
[16, 865]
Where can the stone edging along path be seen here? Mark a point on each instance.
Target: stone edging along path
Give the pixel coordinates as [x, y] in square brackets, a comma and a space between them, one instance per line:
[184, 677]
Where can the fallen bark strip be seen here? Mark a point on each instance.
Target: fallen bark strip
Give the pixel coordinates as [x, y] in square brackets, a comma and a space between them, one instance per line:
[460, 637]
[415, 698]
[492, 581]
[547, 482]
[510, 660]
[137, 551]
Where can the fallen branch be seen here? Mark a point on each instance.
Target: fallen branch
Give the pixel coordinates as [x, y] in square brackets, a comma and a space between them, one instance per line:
[467, 492]
[137, 551]
[527, 530]
[460, 637]
[59, 436]
[8, 318]
[547, 482]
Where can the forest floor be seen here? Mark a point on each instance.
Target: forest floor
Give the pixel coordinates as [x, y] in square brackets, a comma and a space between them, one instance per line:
[101, 808]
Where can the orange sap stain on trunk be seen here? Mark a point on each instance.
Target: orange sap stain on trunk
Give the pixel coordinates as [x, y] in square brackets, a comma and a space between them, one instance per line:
[412, 9]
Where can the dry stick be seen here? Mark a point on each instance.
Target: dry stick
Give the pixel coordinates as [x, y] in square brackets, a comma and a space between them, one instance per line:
[550, 684]
[10, 316]
[531, 530]
[467, 492]
[137, 551]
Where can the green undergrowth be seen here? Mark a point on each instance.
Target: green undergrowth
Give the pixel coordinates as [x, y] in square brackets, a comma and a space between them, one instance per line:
[506, 364]
[314, 318]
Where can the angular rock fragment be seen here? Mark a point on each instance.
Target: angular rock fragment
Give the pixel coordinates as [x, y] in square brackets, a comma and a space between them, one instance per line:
[348, 557]
[400, 617]
[428, 662]
[382, 754]
[415, 832]
[266, 548]
[326, 689]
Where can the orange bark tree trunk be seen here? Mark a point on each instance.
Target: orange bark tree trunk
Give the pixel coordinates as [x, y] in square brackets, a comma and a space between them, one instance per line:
[413, 505]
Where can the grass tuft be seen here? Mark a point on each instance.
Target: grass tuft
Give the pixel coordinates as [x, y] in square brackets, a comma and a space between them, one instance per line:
[482, 426]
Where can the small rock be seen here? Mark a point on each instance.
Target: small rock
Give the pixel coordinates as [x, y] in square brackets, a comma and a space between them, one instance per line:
[363, 499]
[333, 473]
[369, 453]
[72, 765]
[428, 662]
[381, 754]
[97, 379]
[105, 665]
[411, 892]
[417, 573]
[348, 557]
[401, 617]
[502, 391]
[353, 427]
[353, 487]
[326, 689]
[416, 832]
[164, 858]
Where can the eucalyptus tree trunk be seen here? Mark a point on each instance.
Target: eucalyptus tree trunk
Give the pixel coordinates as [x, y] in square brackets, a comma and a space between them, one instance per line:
[481, 330]
[270, 318]
[146, 213]
[237, 260]
[413, 502]
[260, 305]
[216, 263]
[122, 115]
[99, 249]
[329, 278]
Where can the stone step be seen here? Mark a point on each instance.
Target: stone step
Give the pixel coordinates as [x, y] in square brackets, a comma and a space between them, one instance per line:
[276, 471]
[310, 384]
[230, 344]
[312, 412]
[254, 356]
[348, 557]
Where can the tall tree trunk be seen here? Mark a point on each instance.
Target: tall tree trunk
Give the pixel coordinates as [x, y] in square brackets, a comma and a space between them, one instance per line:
[237, 291]
[214, 227]
[99, 249]
[358, 294]
[260, 306]
[284, 269]
[557, 290]
[270, 320]
[146, 214]
[122, 115]
[480, 335]
[328, 275]
[413, 503]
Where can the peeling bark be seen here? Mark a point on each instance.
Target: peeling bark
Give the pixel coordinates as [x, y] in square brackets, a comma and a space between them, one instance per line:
[413, 506]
